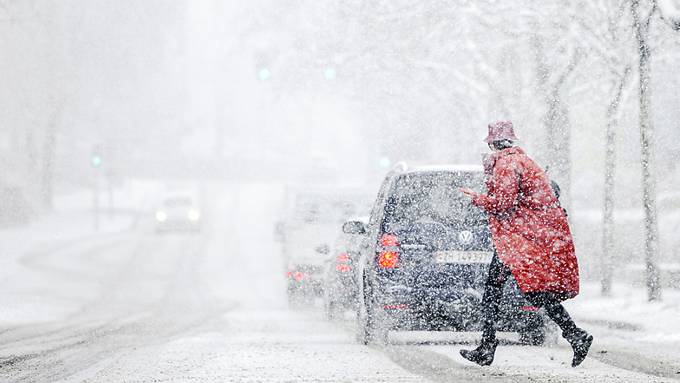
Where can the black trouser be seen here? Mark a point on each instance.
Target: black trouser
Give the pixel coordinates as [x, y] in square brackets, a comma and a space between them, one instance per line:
[493, 292]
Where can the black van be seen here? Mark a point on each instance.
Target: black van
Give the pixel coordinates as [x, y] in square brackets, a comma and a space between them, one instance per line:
[425, 256]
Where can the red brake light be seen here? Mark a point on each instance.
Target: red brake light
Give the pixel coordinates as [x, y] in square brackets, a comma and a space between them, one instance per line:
[388, 259]
[342, 257]
[389, 240]
[342, 261]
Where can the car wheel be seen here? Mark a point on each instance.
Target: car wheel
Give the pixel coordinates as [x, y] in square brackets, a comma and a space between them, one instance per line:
[295, 299]
[533, 334]
[330, 307]
[371, 327]
[378, 325]
[361, 328]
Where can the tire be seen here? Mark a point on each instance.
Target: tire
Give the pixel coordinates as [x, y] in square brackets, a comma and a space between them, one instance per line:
[534, 334]
[378, 326]
[293, 300]
[362, 334]
[331, 309]
[371, 325]
[296, 299]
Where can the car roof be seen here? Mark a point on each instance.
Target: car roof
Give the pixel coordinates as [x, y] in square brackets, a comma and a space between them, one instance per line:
[361, 218]
[174, 196]
[403, 168]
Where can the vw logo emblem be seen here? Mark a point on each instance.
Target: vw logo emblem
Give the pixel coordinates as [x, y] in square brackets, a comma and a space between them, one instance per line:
[465, 237]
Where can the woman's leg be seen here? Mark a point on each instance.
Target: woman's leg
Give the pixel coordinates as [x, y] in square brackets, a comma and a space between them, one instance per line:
[579, 339]
[553, 307]
[493, 293]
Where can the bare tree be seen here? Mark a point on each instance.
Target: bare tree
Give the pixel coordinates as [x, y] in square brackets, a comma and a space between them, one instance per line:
[605, 27]
[551, 79]
[605, 40]
[641, 26]
[607, 260]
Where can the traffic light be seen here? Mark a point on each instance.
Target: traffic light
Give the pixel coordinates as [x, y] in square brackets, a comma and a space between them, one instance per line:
[330, 73]
[264, 74]
[96, 158]
[384, 162]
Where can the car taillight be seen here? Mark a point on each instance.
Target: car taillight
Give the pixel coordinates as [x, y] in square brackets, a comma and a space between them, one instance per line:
[388, 255]
[388, 259]
[342, 258]
[342, 263]
[389, 240]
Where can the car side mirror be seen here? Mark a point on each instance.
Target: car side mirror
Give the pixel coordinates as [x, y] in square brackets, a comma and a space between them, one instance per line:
[354, 227]
[323, 249]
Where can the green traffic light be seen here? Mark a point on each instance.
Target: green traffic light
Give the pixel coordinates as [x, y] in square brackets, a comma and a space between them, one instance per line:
[264, 74]
[330, 73]
[96, 160]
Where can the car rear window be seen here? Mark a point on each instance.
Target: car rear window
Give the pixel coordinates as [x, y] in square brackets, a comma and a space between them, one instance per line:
[434, 197]
[320, 208]
[178, 202]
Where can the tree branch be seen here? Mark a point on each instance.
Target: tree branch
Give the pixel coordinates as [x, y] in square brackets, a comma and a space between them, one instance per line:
[568, 69]
[648, 19]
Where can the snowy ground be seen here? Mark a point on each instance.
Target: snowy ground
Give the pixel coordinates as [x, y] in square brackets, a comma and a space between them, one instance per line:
[126, 304]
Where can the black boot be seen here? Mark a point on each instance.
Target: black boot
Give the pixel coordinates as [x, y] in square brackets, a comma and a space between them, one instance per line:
[482, 355]
[580, 341]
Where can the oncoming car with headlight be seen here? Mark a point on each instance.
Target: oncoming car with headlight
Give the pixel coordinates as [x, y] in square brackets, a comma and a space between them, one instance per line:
[178, 212]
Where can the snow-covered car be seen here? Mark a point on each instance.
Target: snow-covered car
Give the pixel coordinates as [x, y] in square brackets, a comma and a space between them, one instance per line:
[310, 223]
[178, 212]
[340, 288]
[426, 256]
[305, 278]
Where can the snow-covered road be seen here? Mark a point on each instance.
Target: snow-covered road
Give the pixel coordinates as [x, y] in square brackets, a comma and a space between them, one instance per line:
[135, 306]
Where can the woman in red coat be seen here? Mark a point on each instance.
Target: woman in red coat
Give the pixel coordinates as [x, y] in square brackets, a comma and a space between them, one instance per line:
[532, 240]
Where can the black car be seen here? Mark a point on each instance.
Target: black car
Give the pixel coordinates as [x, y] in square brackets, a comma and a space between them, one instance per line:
[425, 257]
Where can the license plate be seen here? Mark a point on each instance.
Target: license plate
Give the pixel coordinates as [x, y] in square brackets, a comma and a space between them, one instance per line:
[463, 257]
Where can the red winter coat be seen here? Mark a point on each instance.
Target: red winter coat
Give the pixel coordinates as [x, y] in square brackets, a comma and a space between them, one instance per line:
[529, 229]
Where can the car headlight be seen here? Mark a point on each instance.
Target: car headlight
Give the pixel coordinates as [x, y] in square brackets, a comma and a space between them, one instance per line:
[193, 215]
[161, 216]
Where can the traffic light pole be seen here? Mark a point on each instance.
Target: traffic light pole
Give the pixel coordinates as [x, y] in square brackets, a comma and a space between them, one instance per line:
[96, 162]
[95, 201]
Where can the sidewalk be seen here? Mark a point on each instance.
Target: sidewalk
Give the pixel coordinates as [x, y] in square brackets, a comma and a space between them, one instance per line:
[19, 299]
[628, 317]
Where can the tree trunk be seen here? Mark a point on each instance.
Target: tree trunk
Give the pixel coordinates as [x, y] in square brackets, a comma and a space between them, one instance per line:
[647, 142]
[607, 261]
[559, 137]
[556, 119]
[47, 168]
